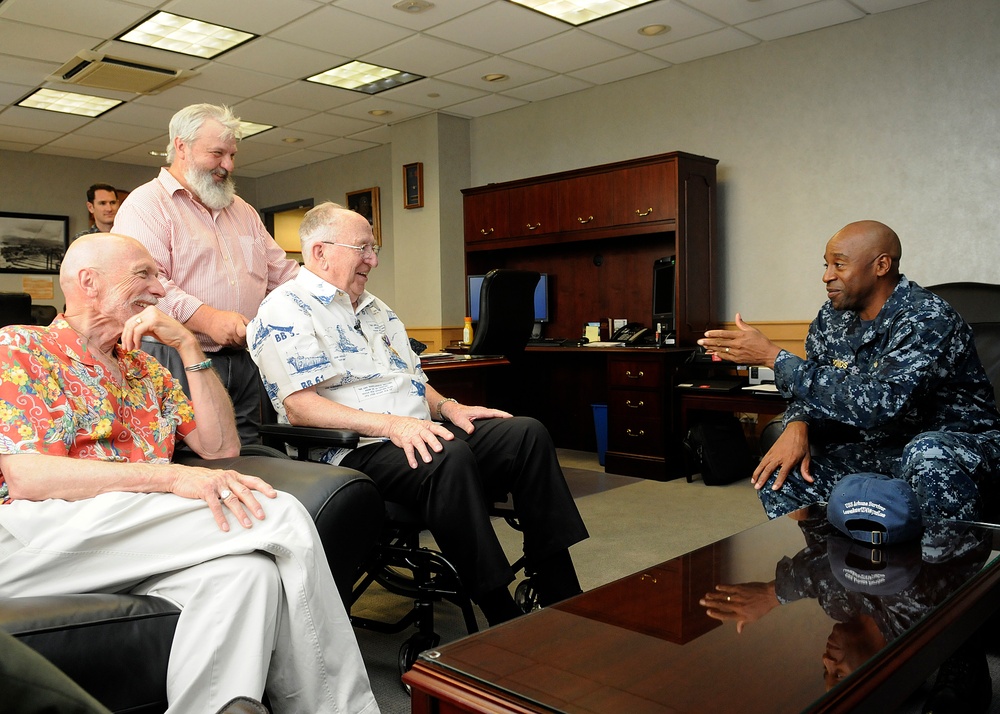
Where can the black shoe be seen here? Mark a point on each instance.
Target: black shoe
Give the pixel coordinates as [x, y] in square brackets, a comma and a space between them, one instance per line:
[963, 686]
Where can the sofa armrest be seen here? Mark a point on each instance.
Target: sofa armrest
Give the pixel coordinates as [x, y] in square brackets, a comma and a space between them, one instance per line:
[344, 503]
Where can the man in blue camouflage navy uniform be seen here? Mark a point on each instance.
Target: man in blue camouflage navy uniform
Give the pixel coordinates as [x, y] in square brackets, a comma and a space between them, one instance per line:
[891, 384]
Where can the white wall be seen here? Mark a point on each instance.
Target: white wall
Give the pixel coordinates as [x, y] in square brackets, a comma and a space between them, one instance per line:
[895, 117]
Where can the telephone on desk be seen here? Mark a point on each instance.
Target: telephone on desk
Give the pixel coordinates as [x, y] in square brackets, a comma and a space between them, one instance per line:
[631, 334]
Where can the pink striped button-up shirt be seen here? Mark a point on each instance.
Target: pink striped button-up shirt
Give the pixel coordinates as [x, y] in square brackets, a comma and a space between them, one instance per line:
[225, 259]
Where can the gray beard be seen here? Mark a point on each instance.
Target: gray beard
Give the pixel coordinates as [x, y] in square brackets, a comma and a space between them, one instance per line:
[215, 196]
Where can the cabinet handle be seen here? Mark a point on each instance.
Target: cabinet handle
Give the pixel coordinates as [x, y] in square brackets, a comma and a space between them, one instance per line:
[641, 213]
[628, 373]
[485, 231]
[584, 220]
[632, 433]
[647, 576]
[533, 227]
[628, 403]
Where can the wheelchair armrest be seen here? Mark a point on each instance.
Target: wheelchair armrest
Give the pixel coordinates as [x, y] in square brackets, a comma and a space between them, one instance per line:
[304, 438]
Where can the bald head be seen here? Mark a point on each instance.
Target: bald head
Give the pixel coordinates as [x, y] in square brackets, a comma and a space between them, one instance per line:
[862, 267]
[106, 273]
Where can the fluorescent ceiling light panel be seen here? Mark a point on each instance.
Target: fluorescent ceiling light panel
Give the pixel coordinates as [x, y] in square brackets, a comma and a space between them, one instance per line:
[175, 33]
[248, 128]
[53, 100]
[364, 77]
[577, 12]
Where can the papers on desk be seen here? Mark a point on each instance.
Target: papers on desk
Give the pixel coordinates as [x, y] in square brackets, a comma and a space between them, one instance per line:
[432, 355]
[603, 344]
[762, 388]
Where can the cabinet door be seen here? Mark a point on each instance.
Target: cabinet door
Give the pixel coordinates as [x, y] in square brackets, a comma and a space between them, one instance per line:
[533, 210]
[586, 202]
[486, 216]
[646, 194]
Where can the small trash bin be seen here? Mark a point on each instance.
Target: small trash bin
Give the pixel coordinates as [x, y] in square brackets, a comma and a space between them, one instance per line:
[601, 429]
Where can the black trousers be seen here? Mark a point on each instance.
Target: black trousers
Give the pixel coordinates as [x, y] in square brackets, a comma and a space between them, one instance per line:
[453, 492]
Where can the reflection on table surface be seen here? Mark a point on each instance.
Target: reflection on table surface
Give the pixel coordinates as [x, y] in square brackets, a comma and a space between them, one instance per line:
[773, 619]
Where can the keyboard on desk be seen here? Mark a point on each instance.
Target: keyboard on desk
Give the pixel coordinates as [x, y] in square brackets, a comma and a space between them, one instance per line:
[545, 342]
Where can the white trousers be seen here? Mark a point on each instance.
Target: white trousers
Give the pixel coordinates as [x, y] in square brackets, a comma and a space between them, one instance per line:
[259, 606]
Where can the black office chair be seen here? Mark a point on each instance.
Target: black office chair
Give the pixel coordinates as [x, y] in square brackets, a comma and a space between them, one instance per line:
[43, 314]
[15, 309]
[506, 312]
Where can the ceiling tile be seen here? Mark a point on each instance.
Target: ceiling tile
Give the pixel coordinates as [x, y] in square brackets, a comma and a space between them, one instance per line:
[433, 93]
[350, 34]
[142, 115]
[518, 73]
[498, 27]
[442, 11]
[97, 18]
[278, 135]
[802, 19]
[283, 59]
[714, 43]
[101, 146]
[733, 12]
[424, 55]
[27, 135]
[309, 95]
[27, 72]
[331, 125]
[41, 119]
[568, 51]
[485, 105]
[623, 27]
[345, 146]
[269, 113]
[548, 88]
[378, 135]
[182, 95]
[39, 43]
[126, 132]
[256, 16]
[233, 80]
[876, 6]
[630, 66]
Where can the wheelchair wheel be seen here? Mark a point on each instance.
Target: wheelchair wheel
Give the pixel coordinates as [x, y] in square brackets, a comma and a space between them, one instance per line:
[525, 596]
[413, 646]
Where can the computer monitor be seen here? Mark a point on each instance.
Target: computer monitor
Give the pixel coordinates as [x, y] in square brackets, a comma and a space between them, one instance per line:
[541, 297]
[663, 293]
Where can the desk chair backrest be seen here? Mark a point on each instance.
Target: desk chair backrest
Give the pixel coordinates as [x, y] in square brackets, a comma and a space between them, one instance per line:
[15, 309]
[979, 305]
[506, 312]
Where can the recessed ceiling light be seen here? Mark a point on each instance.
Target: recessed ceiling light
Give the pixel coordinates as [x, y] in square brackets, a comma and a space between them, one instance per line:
[433, 95]
[413, 6]
[496, 77]
[379, 112]
[53, 100]
[577, 12]
[176, 33]
[364, 77]
[249, 128]
[292, 139]
[652, 30]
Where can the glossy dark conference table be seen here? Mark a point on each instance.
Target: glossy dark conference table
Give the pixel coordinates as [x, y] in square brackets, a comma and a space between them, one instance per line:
[825, 630]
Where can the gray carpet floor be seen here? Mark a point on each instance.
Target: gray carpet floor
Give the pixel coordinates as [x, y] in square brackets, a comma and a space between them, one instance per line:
[633, 523]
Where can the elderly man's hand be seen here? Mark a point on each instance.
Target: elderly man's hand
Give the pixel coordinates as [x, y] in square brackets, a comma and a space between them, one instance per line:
[217, 488]
[160, 326]
[462, 415]
[744, 345]
[416, 436]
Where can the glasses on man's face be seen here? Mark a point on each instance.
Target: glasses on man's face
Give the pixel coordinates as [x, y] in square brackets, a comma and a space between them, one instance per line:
[367, 250]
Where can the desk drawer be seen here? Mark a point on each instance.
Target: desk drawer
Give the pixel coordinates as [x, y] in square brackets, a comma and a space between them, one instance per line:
[636, 436]
[632, 373]
[629, 404]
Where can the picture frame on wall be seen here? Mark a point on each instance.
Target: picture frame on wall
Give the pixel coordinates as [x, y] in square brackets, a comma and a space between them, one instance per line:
[366, 203]
[32, 242]
[413, 185]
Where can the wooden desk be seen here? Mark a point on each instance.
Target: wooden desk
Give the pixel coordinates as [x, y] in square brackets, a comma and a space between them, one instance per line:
[469, 379]
[740, 401]
[644, 644]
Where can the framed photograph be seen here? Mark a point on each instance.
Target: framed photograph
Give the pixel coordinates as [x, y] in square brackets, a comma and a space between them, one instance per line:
[32, 242]
[413, 185]
[365, 202]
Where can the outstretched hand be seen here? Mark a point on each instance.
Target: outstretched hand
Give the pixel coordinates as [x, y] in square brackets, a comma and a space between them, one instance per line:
[744, 345]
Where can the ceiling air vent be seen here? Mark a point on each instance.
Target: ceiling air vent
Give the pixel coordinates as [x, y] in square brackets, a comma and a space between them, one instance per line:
[91, 69]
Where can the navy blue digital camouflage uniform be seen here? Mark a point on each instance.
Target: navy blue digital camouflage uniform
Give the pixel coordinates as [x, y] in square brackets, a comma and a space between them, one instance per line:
[903, 395]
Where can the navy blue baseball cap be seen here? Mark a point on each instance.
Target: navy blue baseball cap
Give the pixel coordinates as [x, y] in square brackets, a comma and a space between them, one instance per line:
[876, 509]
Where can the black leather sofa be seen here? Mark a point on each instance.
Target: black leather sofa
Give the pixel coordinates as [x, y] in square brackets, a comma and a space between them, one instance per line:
[116, 646]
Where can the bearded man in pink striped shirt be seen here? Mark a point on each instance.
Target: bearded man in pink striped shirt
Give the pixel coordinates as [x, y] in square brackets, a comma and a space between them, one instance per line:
[216, 259]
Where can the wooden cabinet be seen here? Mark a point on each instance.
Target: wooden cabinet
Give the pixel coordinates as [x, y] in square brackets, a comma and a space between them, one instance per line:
[597, 233]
